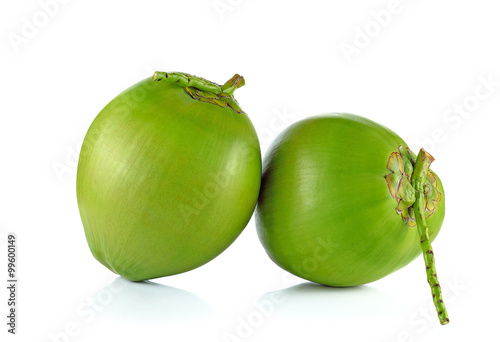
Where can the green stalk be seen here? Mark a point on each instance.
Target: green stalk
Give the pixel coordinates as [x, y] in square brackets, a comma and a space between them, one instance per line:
[422, 164]
[234, 83]
[186, 80]
[203, 90]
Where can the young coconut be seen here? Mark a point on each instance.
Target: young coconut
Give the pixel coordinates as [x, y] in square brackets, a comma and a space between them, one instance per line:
[168, 175]
[345, 202]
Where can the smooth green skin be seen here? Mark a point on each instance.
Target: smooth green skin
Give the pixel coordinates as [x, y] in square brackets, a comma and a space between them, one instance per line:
[325, 212]
[165, 183]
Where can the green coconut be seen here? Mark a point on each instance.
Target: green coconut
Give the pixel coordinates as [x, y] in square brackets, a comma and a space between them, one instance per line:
[345, 202]
[168, 176]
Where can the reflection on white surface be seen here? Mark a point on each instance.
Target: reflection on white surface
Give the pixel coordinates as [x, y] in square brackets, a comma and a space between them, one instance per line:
[310, 301]
[152, 302]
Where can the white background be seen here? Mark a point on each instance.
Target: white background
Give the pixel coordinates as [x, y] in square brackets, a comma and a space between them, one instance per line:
[411, 70]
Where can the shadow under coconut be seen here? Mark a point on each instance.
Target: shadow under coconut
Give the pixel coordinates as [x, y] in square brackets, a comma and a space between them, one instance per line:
[312, 301]
[152, 302]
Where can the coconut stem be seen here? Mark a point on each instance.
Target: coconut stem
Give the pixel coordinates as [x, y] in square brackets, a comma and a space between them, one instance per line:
[232, 84]
[186, 80]
[422, 164]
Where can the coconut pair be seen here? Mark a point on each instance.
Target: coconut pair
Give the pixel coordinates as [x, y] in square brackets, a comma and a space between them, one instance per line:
[170, 173]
